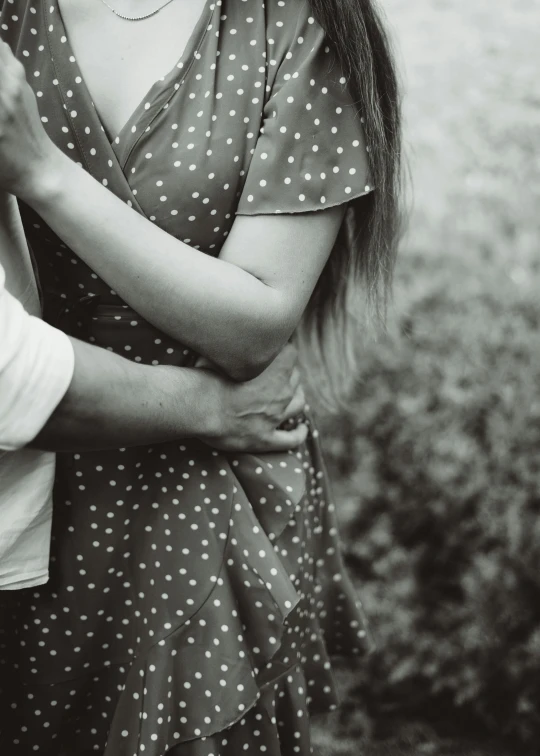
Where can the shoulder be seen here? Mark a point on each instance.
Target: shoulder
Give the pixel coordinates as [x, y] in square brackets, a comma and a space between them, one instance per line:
[298, 48]
[294, 37]
[291, 22]
[290, 11]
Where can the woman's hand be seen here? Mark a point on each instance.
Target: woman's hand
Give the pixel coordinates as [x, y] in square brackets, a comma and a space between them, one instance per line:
[262, 415]
[25, 148]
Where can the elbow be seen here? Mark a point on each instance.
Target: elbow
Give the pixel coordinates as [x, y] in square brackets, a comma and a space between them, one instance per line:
[245, 373]
[249, 363]
[254, 349]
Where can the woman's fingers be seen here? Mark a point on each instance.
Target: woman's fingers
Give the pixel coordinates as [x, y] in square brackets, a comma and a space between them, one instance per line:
[284, 440]
[288, 356]
[295, 378]
[285, 362]
[296, 406]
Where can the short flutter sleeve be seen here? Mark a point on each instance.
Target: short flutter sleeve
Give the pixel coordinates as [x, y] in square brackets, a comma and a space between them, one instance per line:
[311, 152]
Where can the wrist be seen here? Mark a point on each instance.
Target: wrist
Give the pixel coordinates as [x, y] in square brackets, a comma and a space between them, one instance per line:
[47, 179]
[200, 402]
[211, 404]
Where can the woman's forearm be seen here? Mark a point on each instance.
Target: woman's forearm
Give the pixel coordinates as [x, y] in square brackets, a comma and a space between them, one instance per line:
[212, 306]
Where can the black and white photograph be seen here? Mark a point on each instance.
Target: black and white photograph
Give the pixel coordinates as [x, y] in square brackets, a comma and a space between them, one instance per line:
[269, 378]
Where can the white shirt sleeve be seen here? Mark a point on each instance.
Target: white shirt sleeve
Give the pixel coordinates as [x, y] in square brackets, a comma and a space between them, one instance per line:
[36, 368]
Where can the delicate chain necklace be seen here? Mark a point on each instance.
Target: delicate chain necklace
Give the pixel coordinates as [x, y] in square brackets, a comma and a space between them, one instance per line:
[137, 18]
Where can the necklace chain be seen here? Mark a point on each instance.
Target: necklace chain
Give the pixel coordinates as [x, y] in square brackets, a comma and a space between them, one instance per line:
[137, 18]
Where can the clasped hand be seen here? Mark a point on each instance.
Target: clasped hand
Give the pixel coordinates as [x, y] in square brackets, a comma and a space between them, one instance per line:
[25, 147]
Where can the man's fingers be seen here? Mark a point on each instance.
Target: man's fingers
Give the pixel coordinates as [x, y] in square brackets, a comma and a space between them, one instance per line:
[281, 440]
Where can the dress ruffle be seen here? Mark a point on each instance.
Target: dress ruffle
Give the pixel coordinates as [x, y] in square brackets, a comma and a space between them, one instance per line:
[256, 589]
[272, 613]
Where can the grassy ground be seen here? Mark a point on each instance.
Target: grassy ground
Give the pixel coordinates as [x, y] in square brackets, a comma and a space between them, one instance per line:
[472, 110]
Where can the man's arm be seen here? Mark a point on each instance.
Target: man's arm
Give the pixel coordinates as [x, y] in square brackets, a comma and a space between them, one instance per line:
[113, 402]
[58, 393]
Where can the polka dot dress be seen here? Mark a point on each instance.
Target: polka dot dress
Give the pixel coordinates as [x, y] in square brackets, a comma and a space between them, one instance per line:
[195, 597]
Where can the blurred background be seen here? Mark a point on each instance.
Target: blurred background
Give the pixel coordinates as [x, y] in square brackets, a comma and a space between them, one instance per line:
[436, 468]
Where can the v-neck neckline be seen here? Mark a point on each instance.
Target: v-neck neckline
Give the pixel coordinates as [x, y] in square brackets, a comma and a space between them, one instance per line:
[61, 48]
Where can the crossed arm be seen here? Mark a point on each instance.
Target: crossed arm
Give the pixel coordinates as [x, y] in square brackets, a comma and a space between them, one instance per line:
[237, 310]
[58, 396]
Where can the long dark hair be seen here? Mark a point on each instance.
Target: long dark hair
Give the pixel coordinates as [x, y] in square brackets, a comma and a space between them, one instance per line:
[362, 263]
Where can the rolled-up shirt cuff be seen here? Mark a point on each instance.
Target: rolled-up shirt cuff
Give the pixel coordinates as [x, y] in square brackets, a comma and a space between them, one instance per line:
[37, 379]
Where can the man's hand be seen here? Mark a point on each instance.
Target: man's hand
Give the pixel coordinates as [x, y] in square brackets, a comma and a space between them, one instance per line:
[250, 414]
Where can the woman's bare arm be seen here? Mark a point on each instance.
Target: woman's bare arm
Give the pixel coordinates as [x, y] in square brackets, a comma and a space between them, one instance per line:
[237, 310]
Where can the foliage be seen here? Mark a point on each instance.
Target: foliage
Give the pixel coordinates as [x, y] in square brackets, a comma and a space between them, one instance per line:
[438, 478]
[436, 465]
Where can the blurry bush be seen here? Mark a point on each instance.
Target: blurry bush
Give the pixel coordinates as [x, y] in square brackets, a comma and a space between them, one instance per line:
[436, 472]
[436, 468]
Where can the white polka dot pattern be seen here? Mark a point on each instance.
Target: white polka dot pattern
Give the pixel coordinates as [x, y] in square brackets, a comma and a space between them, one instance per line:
[311, 153]
[195, 598]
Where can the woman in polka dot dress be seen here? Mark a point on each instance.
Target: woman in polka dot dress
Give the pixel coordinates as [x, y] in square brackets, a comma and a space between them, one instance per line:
[195, 597]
